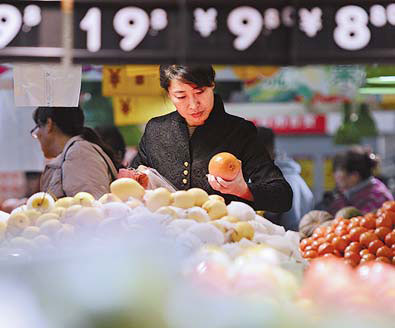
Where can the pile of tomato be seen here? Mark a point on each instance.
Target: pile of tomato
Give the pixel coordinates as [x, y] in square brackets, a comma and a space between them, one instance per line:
[358, 240]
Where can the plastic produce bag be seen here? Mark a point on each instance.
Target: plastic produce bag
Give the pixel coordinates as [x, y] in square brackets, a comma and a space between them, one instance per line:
[148, 177]
[47, 85]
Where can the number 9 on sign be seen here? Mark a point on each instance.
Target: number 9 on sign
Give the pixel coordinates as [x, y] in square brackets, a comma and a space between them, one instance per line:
[133, 24]
[246, 23]
[10, 24]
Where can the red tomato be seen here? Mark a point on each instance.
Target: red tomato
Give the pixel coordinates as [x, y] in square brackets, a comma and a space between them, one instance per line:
[339, 243]
[367, 237]
[310, 248]
[353, 247]
[371, 215]
[393, 260]
[310, 254]
[354, 257]
[350, 262]
[318, 242]
[368, 257]
[321, 231]
[368, 223]
[389, 205]
[381, 232]
[352, 225]
[325, 248]
[315, 236]
[383, 259]
[329, 237]
[341, 231]
[384, 251]
[304, 243]
[364, 252]
[375, 245]
[356, 219]
[355, 233]
[390, 239]
[385, 220]
[337, 253]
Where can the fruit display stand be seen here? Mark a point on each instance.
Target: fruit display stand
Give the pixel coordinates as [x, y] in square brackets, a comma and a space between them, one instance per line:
[154, 258]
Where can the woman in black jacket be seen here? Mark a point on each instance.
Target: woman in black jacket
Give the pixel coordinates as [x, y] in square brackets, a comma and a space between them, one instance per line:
[180, 145]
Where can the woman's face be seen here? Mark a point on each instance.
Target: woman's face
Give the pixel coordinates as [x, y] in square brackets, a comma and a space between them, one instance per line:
[194, 104]
[345, 181]
[45, 139]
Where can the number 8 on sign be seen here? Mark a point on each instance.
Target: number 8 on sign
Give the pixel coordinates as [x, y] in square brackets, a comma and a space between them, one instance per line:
[133, 24]
[352, 32]
[10, 24]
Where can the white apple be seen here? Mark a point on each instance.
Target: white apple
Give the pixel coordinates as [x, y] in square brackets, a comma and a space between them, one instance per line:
[241, 211]
[41, 241]
[17, 222]
[88, 216]
[116, 210]
[31, 232]
[50, 227]
[46, 217]
[109, 198]
[20, 242]
[198, 214]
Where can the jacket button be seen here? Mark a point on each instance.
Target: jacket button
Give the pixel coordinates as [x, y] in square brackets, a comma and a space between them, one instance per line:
[186, 164]
[184, 181]
[186, 172]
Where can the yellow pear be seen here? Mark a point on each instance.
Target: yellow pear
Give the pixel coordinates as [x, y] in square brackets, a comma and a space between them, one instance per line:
[133, 203]
[182, 199]
[65, 202]
[166, 210]
[216, 197]
[46, 217]
[230, 219]
[41, 241]
[200, 196]
[84, 199]
[126, 187]
[70, 212]
[109, 198]
[3, 229]
[41, 201]
[31, 232]
[157, 198]
[216, 209]
[33, 215]
[242, 230]
[50, 227]
[17, 222]
[198, 214]
[219, 226]
[20, 242]
[66, 233]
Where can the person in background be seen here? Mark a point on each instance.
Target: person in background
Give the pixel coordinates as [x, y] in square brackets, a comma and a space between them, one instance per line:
[111, 135]
[303, 200]
[180, 145]
[355, 184]
[80, 161]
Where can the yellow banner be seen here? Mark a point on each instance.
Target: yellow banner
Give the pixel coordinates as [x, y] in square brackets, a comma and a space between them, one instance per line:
[135, 70]
[307, 173]
[117, 82]
[329, 180]
[139, 110]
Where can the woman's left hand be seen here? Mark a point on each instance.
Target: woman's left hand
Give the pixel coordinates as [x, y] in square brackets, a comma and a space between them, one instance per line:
[237, 186]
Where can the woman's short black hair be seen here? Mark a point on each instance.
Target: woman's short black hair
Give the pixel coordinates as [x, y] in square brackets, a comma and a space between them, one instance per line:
[200, 75]
[70, 121]
[356, 160]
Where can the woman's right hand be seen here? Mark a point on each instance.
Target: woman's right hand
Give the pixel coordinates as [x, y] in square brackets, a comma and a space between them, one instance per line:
[140, 177]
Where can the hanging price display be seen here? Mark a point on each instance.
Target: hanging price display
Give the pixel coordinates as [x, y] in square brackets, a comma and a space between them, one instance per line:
[24, 32]
[270, 32]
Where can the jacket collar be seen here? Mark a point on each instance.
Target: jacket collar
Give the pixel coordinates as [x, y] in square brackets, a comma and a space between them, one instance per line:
[217, 114]
[57, 161]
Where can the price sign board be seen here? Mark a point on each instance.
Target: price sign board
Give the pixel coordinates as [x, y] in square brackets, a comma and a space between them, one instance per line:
[142, 31]
[30, 30]
[344, 32]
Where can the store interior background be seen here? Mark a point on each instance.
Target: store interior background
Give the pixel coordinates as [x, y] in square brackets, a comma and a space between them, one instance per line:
[304, 105]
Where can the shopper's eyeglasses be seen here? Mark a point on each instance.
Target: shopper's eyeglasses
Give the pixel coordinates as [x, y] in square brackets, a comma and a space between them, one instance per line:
[33, 131]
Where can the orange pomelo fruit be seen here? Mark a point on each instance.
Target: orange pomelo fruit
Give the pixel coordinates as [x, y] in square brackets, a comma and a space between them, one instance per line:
[224, 165]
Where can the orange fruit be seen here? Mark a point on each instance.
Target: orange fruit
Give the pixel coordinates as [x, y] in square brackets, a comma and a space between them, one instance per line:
[224, 165]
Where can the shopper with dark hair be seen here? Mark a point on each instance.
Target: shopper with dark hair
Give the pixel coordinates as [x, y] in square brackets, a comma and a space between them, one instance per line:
[303, 199]
[180, 145]
[355, 184]
[80, 161]
[112, 137]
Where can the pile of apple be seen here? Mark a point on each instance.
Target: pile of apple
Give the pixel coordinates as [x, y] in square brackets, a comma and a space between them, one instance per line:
[192, 217]
[358, 240]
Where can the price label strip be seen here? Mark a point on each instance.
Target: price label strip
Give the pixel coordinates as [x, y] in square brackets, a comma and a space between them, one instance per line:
[220, 32]
[22, 32]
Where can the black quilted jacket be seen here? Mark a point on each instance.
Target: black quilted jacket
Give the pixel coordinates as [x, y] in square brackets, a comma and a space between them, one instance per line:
[166, 146]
